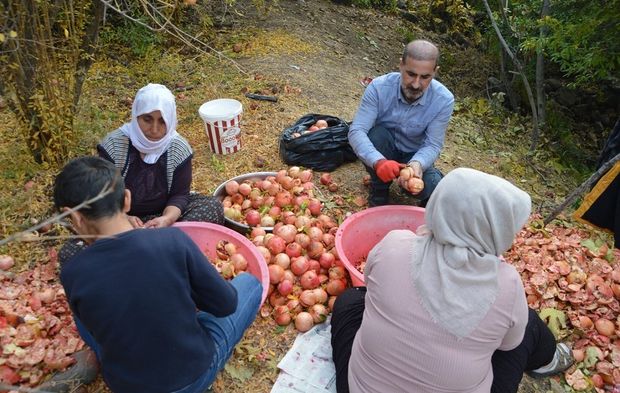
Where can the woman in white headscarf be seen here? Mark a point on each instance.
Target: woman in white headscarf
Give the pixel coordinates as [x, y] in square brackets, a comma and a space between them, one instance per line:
[156, 165]
[441, 311]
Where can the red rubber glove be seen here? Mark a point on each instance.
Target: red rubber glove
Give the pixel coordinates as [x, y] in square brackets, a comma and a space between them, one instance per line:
[388, 170]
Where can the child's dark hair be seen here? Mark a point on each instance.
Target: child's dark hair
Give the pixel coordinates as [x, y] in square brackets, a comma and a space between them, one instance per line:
[84, 178]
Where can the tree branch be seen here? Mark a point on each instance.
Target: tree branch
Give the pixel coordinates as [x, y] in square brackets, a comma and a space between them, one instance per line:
[176, 32]
[586, 185]
[23, 235]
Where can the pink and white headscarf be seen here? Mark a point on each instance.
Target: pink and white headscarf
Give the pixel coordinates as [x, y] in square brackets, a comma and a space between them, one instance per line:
[152, 97]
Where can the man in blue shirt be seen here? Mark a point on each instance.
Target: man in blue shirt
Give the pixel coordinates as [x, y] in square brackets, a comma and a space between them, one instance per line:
[401, 121]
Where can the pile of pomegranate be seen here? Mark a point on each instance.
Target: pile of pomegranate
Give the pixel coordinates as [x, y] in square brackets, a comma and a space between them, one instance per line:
[305, 272]
[37, 333]
[575, 285]
[319, 125]
[263, 202]
[228, 261]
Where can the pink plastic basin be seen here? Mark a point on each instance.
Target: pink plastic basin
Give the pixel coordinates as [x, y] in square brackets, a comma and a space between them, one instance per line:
[207, 235]
[359, 233]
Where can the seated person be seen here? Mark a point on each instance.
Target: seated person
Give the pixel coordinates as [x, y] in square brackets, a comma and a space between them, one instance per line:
[441, 312]
[401, 121]
[134, 293]
[156, 165]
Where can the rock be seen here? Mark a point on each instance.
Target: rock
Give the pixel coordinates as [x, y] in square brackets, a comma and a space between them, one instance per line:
[566, 97]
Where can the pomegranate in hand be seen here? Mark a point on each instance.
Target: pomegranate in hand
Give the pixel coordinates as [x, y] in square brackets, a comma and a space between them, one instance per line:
[409, 181]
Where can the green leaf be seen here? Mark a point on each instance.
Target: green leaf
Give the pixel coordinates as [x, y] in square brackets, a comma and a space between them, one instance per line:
[592, 356]
[240, 373]
[590, 245]
[555, 320]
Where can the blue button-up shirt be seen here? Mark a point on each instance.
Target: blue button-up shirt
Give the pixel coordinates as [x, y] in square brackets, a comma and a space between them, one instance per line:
[419, 127]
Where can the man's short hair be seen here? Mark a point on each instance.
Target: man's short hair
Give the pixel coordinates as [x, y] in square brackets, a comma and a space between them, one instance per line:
[86, 177]
[421, 50]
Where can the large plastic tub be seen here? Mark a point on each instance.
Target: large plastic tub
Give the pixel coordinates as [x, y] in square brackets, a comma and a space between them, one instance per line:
[359, 233]
[207, 235]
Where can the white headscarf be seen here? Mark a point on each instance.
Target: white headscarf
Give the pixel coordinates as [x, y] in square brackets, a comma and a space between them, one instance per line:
[472, 218]
[152, 97]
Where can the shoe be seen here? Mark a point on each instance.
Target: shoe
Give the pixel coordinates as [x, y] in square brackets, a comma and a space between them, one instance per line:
[83, 372]
[562, 360]
[378, 197]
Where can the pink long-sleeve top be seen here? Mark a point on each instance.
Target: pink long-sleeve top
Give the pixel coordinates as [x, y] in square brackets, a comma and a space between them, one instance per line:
[399, 348]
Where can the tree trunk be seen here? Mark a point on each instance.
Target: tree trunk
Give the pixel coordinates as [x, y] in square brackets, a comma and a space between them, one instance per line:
[89, 45]
[540, 69]
[506, 79]
[521, 71]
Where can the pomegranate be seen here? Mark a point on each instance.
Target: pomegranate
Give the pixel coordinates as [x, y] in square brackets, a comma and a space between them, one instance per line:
[307, 298]
[605, 327]
[287, 232]
[252, 217]
[283, 260]
[326, 179]
[309, 280]
[239, 262]
[285, 287]
[6, 262]
[335, 287]
[299, 265]
[275, 273]
[245, 189]
[232, 187]
[304, 321]
[319, 313]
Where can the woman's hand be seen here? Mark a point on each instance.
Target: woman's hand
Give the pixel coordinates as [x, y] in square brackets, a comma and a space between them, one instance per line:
[158, 222]
[135, 222]
[170, 215]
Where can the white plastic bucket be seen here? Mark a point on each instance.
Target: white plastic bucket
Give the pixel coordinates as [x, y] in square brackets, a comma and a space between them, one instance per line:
[221, 118]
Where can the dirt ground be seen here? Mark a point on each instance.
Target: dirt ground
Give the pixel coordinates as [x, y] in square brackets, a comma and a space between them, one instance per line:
[312, 55]
[350, 44]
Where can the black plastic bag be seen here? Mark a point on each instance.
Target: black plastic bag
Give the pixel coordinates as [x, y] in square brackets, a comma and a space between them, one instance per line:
[323, 150]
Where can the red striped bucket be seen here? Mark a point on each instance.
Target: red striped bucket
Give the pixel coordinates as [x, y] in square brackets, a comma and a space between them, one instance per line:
[221, 118]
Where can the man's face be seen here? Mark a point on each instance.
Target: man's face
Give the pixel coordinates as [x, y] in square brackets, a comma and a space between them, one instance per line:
[415, 75]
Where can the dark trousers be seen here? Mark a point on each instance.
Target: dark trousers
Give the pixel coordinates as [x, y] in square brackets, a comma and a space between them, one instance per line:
[536, 349]
[383, 140]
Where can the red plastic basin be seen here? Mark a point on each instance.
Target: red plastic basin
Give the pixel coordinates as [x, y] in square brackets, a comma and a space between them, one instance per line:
[359, 233]
[207, 235]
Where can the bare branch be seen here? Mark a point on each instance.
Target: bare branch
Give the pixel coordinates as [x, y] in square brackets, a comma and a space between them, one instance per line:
[174, 31]
[24, 235]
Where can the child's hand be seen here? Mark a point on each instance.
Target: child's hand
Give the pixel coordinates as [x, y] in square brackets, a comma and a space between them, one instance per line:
[135, 222]
[158, 222]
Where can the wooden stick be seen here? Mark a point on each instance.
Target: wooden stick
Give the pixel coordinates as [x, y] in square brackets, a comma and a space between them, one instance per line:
[586, 185]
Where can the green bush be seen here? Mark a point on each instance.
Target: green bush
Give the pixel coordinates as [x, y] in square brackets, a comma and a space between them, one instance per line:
[127, 34]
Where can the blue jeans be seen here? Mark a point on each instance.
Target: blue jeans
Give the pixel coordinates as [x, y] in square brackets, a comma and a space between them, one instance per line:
[226, 332]
[383, 140]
